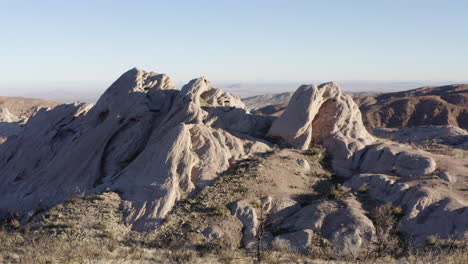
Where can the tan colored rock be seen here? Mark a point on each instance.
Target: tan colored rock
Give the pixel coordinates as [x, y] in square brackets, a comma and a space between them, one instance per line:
[247, 215]
[446, 176]
[6, 116]
[303, 164]
[295, 241]
[143, 138]
[322, 115]
[427, 211]
[348, 228]
[392, 158]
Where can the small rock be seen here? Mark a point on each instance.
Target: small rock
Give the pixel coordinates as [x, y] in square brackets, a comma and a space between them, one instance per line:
[303, 163]
[446, 176]
[267, 203]
[247, 215]
[213, 233]
[413, 164]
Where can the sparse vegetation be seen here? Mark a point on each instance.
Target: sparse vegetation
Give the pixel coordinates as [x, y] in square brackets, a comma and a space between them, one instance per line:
[89, 229]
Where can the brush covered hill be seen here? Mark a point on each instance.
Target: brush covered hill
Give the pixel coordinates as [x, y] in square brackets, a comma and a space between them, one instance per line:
[153, 173]
[442, 105]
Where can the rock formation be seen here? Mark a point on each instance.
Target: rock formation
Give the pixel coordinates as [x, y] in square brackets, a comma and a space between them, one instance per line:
[155, 145]
[143, 138]
[325, 115]
[322, 115]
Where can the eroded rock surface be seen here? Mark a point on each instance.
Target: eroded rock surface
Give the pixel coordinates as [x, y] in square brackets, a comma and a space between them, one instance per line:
[143, 138]
[322, 115]
[428, 210]
[325, 115]
[155, 145]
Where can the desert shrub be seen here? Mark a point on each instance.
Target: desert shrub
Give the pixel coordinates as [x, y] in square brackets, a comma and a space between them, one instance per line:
[15, 223]
[338, 192]
[228, 256]
[385, 219]
[181, 256]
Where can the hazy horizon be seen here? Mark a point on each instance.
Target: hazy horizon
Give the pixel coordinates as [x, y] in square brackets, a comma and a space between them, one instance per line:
[90, 92]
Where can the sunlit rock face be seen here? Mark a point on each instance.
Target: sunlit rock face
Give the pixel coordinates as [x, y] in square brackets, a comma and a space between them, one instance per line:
[155, 145]
[144, 138]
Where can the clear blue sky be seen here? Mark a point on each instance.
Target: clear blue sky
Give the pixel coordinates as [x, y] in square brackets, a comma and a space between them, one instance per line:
[49, 42]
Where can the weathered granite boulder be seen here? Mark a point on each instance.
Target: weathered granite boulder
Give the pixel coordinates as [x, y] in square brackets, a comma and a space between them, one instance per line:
[143, 138]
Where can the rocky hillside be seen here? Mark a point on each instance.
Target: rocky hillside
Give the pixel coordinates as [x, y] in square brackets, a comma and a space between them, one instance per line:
[15, 112]
[443, 105]
[22, 107]
[271, 110]
[259, 101]
[194, 170]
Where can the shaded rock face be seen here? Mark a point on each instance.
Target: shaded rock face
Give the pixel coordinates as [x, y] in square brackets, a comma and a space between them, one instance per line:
[143, 138]
[9, 125]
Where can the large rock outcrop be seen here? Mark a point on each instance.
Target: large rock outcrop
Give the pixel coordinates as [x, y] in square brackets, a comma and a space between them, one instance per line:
[155, 145]
[322, 115]
[429, 209]
[325, 115]
[143, 138]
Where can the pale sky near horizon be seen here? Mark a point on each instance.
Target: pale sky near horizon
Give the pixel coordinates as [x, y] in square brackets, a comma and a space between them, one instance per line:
[51, 43]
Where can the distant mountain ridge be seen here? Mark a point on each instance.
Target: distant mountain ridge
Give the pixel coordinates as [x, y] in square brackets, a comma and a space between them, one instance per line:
[441, 105]
[23, 107]
[259, 101]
